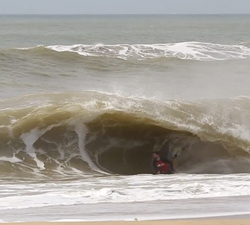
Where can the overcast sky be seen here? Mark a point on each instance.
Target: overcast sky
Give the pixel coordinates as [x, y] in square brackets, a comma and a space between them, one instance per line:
[124, 6]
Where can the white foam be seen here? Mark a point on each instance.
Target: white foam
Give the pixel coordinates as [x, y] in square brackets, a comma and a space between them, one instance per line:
[112, 189]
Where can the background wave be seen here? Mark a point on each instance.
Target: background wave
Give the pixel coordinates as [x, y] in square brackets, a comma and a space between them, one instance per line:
[200, 51]
[71, 133]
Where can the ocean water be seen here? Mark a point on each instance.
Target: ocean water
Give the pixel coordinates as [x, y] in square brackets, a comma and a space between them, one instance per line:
[84, 100]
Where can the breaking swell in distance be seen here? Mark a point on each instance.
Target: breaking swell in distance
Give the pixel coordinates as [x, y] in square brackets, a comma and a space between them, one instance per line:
[200, 51]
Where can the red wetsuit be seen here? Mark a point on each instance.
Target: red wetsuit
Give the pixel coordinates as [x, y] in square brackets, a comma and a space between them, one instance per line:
[163, 167]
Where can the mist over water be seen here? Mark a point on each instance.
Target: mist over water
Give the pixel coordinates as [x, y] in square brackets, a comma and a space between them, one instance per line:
[86, 99]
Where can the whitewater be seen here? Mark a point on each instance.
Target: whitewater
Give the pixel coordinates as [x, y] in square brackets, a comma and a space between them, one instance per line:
[84, 100]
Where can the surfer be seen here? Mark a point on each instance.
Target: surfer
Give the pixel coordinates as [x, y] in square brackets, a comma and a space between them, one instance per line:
[159, 165]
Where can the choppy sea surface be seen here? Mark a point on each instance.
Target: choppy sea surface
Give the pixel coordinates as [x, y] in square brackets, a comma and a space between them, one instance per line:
[84, 100]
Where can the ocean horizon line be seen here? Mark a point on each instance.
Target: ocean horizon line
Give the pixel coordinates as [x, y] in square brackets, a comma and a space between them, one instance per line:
[126, 14]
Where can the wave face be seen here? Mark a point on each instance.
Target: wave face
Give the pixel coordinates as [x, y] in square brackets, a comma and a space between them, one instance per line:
[200, 51]
[91, 132]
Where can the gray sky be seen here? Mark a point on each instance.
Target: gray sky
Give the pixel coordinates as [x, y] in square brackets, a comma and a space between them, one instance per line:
[124, 6]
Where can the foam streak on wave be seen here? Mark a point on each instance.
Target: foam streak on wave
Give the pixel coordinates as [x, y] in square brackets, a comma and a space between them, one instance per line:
[81, 131]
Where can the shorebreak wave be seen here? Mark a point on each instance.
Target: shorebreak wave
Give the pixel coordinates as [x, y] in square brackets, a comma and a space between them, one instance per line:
[71, 133]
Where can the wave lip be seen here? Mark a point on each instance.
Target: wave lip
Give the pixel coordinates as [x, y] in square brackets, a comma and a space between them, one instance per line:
[199, 51]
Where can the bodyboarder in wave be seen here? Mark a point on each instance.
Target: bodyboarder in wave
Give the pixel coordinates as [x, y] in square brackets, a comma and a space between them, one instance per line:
[161, 166]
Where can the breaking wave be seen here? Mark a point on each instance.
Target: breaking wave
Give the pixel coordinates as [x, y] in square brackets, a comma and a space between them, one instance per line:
[91, 132]
[200, 51]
